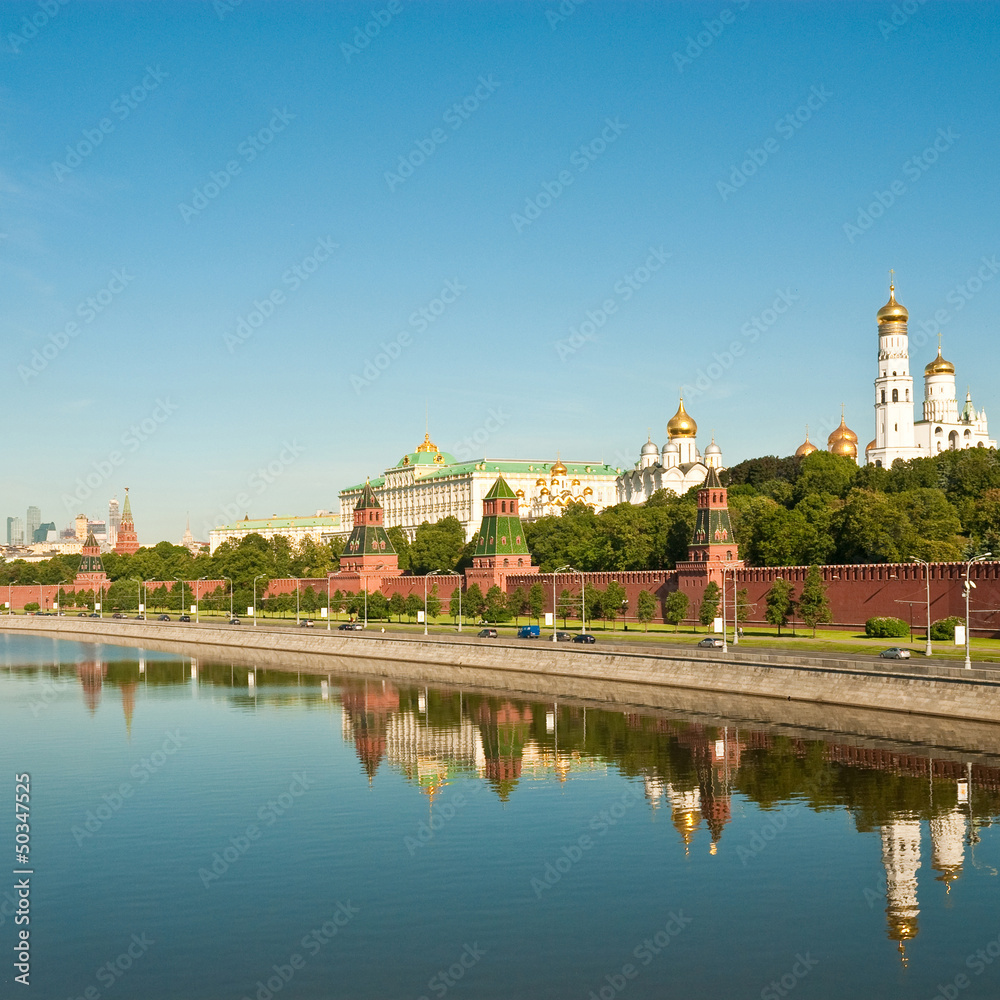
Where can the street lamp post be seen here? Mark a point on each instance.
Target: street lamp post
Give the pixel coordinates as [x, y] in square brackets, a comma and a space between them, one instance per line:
[328, 576]
[58, 601]
[230, 596]
[553, 606]
[583, 595]
[10, 597]
[433, 572]
[181, 582]
[927, 578]
[261, 576]
[197, 597]
[296, 579]
[460, 603]
[969, 587]
[139, 609]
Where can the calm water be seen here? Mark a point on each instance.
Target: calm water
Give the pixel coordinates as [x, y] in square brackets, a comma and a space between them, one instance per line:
[310, 837]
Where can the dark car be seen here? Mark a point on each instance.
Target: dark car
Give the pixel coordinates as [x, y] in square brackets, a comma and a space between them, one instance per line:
[163, 618]
[487, 633]
[117, 614]
[564, 636]
[351, 627]
[184, 618]
[140, 618]
[235, 621]
[895, 653]
[94, 614]
[712, 642]
[584, 637]
[81, 614]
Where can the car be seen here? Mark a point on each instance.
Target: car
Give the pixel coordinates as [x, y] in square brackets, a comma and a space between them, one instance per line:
[895, 653]
[307, 623]
[184, 618]
[584, 637]
[350, 627]
[94, 614]
[81, 614]
[711, 642]
[235, 621]
[487, 633]
[163, 618]
[117, 614]
[564, 636]
[140, 618]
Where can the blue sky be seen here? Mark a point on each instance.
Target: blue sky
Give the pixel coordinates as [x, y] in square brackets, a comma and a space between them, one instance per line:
[240, 143]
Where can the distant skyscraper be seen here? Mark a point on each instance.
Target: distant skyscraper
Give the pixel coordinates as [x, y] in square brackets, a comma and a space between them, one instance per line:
[15, 531]
[42, 532]
[114, 519]
[81, 527]
[128, 541]
[31, 523]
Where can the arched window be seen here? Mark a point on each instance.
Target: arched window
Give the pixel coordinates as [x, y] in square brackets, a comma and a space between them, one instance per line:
[883, 395]
[907, 395]
[895, 395]
[953, 440]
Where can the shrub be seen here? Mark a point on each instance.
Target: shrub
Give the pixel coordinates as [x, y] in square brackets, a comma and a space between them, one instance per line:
[944, 628]
[886, 628]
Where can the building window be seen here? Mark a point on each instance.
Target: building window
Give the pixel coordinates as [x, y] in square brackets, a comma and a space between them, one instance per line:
[883, 395]
[895, 395]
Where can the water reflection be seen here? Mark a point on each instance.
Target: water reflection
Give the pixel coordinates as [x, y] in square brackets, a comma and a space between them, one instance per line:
[691, 770]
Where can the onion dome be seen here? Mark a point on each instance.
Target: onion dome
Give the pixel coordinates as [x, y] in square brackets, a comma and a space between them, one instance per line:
[892, 311]
[649, 448]
[871, 446]
[558, 469]
[539, 482]
[544, 492]
[672, 447]
[520, 494]
[843, 441]
[806, 448]
[939, 366]
[713, 448]
[681, 425]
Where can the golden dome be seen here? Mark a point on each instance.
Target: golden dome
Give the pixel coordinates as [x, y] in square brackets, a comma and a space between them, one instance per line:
[539, 482]
[544, 492]
[939, 366]
[558, 469]
[806, 448]
[893, 311]
[520, 494]
[843, 441]
[681, 425]
[871, 444]
[427, 445]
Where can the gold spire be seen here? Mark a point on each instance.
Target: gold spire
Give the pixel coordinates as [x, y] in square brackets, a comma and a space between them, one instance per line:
[892, 311]
[427, 444]
[558, 469]
[843, 441]
[680, 424]
[939, 366]
[807, 447]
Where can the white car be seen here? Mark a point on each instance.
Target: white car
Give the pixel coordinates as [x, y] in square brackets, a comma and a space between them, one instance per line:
[895, 653]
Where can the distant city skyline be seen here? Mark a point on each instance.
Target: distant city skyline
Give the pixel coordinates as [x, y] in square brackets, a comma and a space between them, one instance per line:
[245, 248]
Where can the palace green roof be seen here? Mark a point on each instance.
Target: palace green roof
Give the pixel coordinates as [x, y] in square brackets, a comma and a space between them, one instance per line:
[257, 524]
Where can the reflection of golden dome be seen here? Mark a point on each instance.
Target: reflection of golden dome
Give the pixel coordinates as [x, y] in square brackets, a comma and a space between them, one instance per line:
[806, 448]
[939, 366]
[681, 425]
[427, 445]
[893, 311]
[843, 441]
[558, 469]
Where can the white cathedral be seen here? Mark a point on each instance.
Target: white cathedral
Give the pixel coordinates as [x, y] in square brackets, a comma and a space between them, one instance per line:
[676, 468]
[943, 427]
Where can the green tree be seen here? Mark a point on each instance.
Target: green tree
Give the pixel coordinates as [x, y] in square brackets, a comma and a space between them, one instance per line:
[742, 606]
[397, 605]
[413, 604]
[568, 603]
[536, 601]
[402, 546]
[517, 603]
[780, 602]
[708, 610]
[455, 603]
[675, 608]
[615, 602]
[433, 603]
[437, 546]
[474, 603]
[496, 605]
[645, 608]
[814, 608]
[378, 605]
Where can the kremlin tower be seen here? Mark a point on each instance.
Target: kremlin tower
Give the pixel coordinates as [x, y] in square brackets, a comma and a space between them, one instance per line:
[501, 548]
[127, 541]
[91, 575]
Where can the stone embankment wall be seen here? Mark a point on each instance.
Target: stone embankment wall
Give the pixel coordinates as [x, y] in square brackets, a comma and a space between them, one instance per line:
[932, 688]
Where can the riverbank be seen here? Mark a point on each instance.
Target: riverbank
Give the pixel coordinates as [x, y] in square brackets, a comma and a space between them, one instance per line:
[930, 688]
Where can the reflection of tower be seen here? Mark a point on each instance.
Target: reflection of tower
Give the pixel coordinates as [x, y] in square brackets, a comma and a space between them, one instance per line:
[685, 812]
[948, 845]
[128, 704]
[91, 676]
[901, 859]
[504, 730]
[367, 708]
[655, 788]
